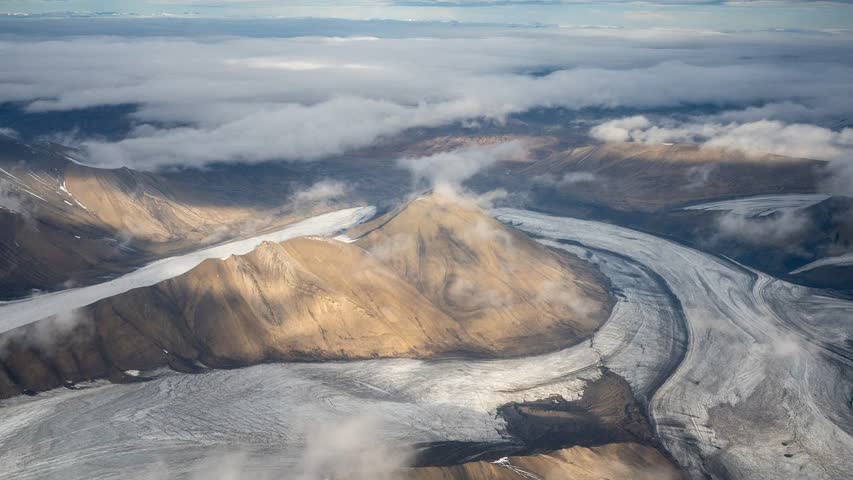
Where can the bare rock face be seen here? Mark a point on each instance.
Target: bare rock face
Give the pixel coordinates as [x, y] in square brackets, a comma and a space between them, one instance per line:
[436, 278]
[606, 413]
[611, 461]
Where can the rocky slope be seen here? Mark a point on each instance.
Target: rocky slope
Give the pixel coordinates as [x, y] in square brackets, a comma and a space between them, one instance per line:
[452, 281]
[489, 278]
[631, 177]
[66, 223]
[611, 461]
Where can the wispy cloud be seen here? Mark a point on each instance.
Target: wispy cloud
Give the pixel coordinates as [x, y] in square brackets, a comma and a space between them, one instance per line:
[203, 100]
[648, 16]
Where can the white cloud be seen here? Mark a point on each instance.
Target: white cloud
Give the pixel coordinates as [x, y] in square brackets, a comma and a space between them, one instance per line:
[9, 199]
[351, 448]
[647, 16]
[8, 132]
[763, 136]
[454, 167]
[568, 179]
[572, 178]
[795, 140]
[778, 230]
[620, 130]
[320, 192]
[258, 99]
[296, 65]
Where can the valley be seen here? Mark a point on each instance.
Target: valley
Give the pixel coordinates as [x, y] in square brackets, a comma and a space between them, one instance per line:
[426, 240]
[659, 338]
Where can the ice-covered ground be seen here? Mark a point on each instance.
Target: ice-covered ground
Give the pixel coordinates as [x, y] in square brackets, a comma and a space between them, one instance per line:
[21, 312]
[268, 410]
[838, 261]
[762, 205]
[764, 390]
[748, 377]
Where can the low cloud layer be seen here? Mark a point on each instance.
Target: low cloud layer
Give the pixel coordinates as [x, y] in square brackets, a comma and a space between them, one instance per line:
[763, 136]
[8, 132]
[779, 230]
[203, 100]
[9, 199]
[449, 169]
[758, 137]
[320, 193]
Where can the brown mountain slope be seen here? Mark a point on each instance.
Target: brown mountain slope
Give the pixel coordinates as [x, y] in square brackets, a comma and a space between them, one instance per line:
[489, 278]
[67, 223]
[302, 299]
[611, 461]
[321, 299]
[144, 207]
[647, 178]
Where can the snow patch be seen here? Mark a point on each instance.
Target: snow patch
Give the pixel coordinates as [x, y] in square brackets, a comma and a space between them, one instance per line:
[837, 261]
[762, 205]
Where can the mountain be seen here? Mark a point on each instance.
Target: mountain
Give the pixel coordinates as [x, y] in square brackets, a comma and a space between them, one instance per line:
[69, 224]
[490, 279]
[64, 223]
[635, 177]
[434, 278]
[614, 460]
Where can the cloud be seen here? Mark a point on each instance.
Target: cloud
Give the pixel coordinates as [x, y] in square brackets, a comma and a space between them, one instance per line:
[699, 175]
[9, 199]
[763, 136]
[47, 333]
[786, 111]
[320, 192]
[778, 230]
[566, 297]
[647, 16]
[470, 294]
[489, 232]
[8, 132]
[567, 180]
[621, 130]
[454, 167]
[352, 449]
[795, 140]
[390, 248]
[306, 98]
[292, 132]
[578, 177]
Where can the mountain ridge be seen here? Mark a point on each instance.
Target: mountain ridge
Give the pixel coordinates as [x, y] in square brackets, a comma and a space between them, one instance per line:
[318, 299]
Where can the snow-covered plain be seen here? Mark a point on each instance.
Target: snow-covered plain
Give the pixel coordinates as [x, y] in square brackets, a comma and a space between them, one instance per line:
[21, 312]
[762, 205]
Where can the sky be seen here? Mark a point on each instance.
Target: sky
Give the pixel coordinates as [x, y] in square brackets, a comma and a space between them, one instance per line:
[694, 14]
